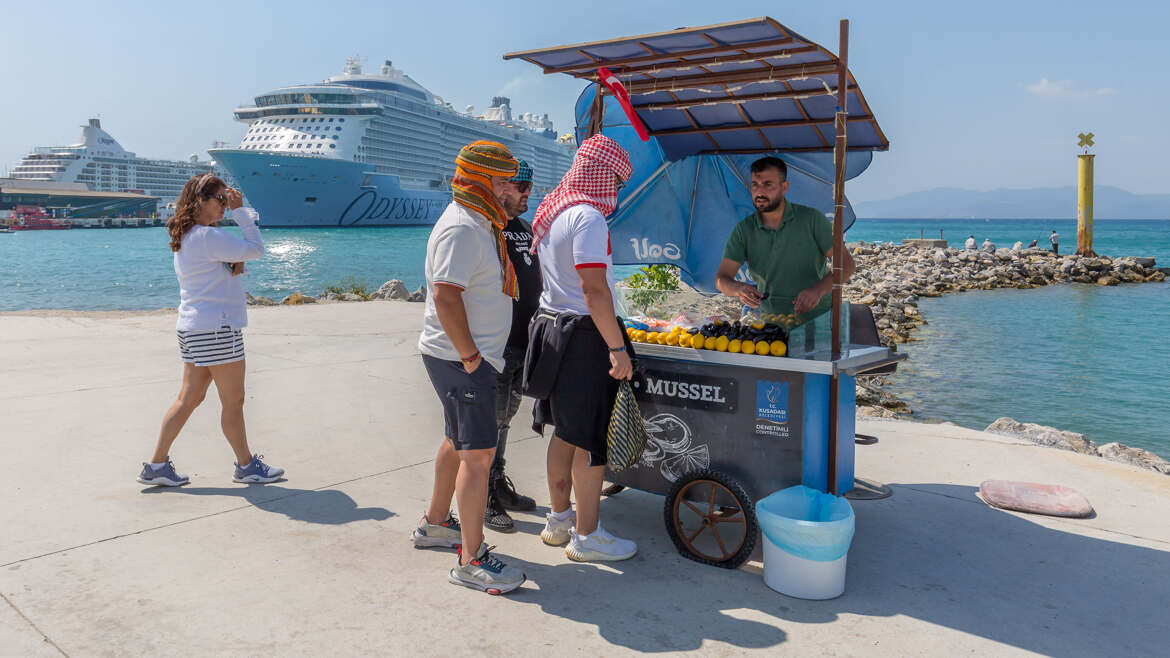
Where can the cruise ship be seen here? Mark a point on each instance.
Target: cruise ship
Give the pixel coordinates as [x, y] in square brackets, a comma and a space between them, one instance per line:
[363, 149]
[100, 162]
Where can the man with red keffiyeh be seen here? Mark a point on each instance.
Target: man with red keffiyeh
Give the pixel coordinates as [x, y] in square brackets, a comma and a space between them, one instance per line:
[578, 324]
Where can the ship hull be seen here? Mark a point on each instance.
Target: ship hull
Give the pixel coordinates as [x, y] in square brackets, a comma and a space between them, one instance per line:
[291, 191]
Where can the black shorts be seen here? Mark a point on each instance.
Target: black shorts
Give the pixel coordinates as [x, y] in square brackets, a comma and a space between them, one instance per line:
[469, 402]
[582, 397]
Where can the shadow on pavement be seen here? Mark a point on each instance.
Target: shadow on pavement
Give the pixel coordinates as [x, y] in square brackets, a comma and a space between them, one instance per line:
[674, 614]
[327, 506]
[937, 553]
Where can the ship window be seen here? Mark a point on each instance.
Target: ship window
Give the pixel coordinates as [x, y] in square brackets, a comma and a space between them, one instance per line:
[331, 121]
[332, 146]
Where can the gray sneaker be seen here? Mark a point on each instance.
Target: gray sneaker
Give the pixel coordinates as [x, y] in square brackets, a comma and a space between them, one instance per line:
[257, 472]
[163, 477]
[447, 534]
[487, 573]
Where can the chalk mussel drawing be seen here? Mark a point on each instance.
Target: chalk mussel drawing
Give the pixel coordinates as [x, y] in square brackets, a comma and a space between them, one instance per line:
[670, 446]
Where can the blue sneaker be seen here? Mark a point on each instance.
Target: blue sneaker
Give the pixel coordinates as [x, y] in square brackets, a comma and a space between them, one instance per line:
[257, 471]
[163, 477]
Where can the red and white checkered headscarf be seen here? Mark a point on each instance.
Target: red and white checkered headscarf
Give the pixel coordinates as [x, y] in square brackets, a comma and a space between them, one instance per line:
[589, 180]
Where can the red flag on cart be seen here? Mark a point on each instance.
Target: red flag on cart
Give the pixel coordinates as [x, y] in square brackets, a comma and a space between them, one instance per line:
[623, 97]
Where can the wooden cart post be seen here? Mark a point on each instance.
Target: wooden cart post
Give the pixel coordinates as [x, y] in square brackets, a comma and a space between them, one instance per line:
[838, 242]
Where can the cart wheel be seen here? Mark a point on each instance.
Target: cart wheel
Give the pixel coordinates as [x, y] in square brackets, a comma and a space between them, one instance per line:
[711, 519]
[613, 489]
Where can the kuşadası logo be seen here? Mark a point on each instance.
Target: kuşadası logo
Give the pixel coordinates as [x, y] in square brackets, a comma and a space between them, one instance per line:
[772, 408]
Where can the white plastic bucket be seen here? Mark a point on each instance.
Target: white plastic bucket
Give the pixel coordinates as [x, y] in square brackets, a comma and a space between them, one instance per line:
[807, 535]
[801, 578]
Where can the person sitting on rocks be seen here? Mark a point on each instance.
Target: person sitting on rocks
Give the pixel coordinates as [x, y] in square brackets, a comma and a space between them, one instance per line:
[1032, 244]
[988, 246]
[969, 245]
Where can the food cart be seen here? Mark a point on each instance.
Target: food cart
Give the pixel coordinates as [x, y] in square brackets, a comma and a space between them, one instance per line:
[693, 107]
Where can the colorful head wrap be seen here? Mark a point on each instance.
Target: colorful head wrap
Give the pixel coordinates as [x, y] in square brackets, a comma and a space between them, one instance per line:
[523, 173]
[472, 188]
[590, 180]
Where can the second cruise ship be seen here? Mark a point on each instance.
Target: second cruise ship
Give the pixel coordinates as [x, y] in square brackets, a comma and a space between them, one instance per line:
[372, 150]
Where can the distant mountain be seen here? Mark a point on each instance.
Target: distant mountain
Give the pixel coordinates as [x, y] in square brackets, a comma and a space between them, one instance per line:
[1037, 203]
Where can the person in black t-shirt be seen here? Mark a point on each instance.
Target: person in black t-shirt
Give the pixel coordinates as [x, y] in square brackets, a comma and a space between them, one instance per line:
[502, 494]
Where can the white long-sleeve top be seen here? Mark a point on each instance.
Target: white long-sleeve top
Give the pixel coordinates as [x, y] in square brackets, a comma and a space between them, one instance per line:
[209, 296]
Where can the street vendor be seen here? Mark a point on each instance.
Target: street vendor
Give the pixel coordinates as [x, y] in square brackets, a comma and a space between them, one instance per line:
[786, 247]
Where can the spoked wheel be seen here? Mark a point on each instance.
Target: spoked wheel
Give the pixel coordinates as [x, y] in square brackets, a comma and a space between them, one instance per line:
[711, 519]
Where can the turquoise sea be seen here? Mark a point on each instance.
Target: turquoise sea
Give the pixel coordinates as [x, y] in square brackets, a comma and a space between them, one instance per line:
[1078, 357]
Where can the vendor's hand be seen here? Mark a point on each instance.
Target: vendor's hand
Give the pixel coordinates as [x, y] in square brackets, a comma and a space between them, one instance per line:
[474, 365]
[807, 300]
[234, 198]
[749, 295]
[237, 269]
[622, 367]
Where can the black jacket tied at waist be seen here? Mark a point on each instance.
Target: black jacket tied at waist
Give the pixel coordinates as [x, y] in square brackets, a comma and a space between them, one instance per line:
[548, 336]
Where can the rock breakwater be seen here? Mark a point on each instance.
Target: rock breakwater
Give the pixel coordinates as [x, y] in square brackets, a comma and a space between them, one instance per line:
[1076, 442]
[891, 278]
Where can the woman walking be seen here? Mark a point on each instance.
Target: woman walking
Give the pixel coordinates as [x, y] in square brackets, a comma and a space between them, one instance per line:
[212, 312]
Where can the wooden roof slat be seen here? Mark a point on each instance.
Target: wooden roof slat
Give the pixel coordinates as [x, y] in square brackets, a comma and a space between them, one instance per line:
[761, 20]
[747, 119]
[804, 113]
[641, 59]
[695, 124]
[771, 74]
[731, 98]
[765, 124]
[705, 61]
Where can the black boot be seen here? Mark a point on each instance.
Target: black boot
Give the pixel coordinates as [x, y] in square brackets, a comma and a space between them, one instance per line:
[494, 516]
[505, 492]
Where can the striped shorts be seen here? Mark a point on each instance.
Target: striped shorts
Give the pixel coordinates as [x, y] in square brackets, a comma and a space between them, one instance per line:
[211, 348]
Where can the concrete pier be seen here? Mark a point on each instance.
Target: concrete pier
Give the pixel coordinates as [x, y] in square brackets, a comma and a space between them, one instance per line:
[94, 564]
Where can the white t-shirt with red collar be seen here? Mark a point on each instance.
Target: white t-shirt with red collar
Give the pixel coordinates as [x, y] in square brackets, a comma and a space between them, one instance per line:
[577, 239]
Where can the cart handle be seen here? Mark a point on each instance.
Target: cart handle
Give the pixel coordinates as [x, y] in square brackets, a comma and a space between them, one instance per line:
[893, 358]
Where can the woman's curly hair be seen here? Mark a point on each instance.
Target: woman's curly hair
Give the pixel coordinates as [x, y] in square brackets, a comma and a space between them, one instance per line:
[199, 188]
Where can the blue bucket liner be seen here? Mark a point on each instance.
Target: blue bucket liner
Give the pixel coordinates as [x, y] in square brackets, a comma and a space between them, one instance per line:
[807, 523]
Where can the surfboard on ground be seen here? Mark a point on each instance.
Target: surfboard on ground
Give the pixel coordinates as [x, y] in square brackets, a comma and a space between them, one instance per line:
[1035, 498]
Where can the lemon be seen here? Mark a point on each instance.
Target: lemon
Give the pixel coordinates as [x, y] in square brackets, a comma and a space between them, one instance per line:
[640, 336]
[672, 339]
[748, 347]
[734, 346]
[652, 337]
[676, 330]
[721, 343]
[762, 347]
[684, 340]
[630, 332]
[697, 341]
[709, 343]
[778, 348]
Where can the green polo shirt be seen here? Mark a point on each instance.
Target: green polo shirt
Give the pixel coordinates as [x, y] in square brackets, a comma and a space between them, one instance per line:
[786, 260]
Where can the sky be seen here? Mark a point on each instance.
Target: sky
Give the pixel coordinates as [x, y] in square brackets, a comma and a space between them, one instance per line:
[972, 95]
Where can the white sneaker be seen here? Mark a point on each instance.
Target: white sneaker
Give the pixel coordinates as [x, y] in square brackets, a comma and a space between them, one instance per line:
[558, 533]
[599, 546]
